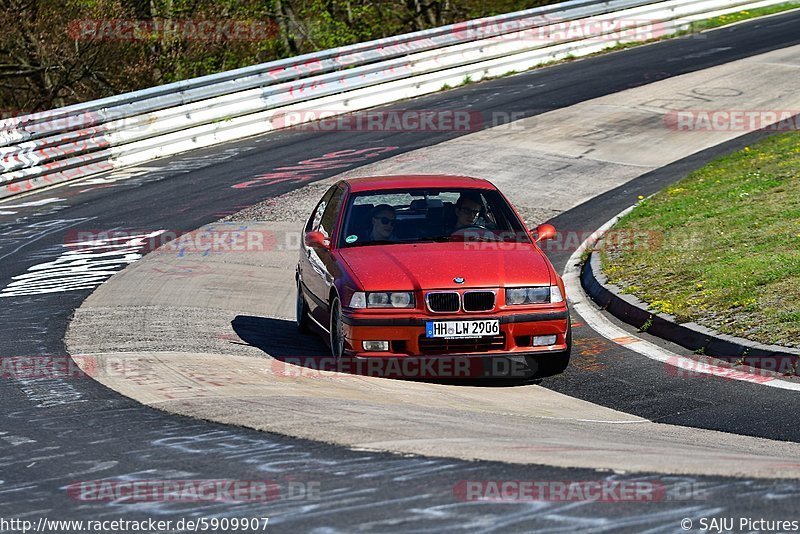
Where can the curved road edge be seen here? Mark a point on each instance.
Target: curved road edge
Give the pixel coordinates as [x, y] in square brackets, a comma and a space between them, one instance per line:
[752, 355]
[229, 379]
[245, 387]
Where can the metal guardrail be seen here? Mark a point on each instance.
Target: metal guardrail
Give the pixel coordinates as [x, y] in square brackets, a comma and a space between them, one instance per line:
[93, 137]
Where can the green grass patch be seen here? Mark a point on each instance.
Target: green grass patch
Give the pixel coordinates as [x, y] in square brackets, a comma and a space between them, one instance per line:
[724, 20]
[722, 246]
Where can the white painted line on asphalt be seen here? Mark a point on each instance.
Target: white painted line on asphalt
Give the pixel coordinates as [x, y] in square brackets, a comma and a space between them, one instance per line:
[639, 421]
[35, 203]
[590, 313]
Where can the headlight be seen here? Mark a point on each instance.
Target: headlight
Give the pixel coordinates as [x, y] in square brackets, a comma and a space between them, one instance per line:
[538, 295]
[533, 295]
[358, 300]
[516, 296]
[378, 300]
[401, 299]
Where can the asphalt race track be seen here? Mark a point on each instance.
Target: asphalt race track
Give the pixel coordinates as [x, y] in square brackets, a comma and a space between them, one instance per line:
[57, 432]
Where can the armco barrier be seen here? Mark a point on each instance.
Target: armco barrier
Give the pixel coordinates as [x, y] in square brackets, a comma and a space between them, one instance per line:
[93, 137]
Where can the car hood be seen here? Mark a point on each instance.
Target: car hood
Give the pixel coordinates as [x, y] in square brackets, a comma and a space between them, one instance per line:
[435, 265]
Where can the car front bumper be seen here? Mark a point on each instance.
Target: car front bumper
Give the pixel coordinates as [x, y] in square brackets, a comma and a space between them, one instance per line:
[407, 337]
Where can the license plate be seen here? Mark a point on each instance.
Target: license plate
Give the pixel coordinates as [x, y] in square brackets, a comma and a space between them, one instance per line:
[477, 328]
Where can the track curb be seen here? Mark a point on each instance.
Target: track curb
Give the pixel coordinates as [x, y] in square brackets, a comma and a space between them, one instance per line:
[692, 336]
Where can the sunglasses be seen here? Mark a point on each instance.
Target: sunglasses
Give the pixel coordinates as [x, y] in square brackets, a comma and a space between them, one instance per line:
[385, 220]
[469, 211]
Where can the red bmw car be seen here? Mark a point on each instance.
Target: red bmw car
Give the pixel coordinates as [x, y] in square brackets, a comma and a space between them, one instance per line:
[418, 266]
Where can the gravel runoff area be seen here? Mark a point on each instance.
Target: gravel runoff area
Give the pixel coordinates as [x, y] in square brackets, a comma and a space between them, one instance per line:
[297, 205]
[292, 207]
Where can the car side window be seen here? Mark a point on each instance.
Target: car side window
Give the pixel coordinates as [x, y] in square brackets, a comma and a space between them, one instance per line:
[316, 215]
[330, 215]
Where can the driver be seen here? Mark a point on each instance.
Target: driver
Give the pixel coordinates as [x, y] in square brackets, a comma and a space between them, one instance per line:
[468, 209]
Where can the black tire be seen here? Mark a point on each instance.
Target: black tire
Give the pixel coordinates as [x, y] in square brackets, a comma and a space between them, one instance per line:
[335, 327]
[301, 312]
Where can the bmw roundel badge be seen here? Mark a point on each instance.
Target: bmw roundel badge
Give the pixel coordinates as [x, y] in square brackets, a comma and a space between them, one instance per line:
[458, 280]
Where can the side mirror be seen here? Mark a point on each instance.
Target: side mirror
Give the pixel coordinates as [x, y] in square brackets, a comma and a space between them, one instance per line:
[544, 232]
[316, 240]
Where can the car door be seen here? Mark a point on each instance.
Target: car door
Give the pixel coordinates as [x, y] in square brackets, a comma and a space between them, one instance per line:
[318, 269]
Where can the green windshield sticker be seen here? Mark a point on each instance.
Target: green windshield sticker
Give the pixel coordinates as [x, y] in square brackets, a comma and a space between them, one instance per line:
[351, 238]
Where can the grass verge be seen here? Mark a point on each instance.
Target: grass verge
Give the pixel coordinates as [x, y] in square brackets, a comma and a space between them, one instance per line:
[724, 20]
[722, 246]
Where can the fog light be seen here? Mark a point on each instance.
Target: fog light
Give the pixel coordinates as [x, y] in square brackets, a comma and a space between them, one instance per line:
[375, 346]
[540, 341]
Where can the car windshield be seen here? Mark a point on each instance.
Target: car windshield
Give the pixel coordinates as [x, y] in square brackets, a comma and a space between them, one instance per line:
[432, 215]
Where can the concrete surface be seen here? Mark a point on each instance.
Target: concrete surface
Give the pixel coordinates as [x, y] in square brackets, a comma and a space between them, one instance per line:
[168, 330]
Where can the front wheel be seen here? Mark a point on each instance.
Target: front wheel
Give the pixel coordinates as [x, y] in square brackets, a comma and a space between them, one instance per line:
[336, 330]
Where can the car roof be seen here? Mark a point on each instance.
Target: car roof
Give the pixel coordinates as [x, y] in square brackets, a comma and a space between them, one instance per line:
[416, 181]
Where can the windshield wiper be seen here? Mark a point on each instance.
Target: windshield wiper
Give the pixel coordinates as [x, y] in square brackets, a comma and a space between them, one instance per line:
[378, 242]
[442, 239]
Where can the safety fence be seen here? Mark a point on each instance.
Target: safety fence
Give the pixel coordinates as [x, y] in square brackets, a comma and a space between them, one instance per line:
[73, 142]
